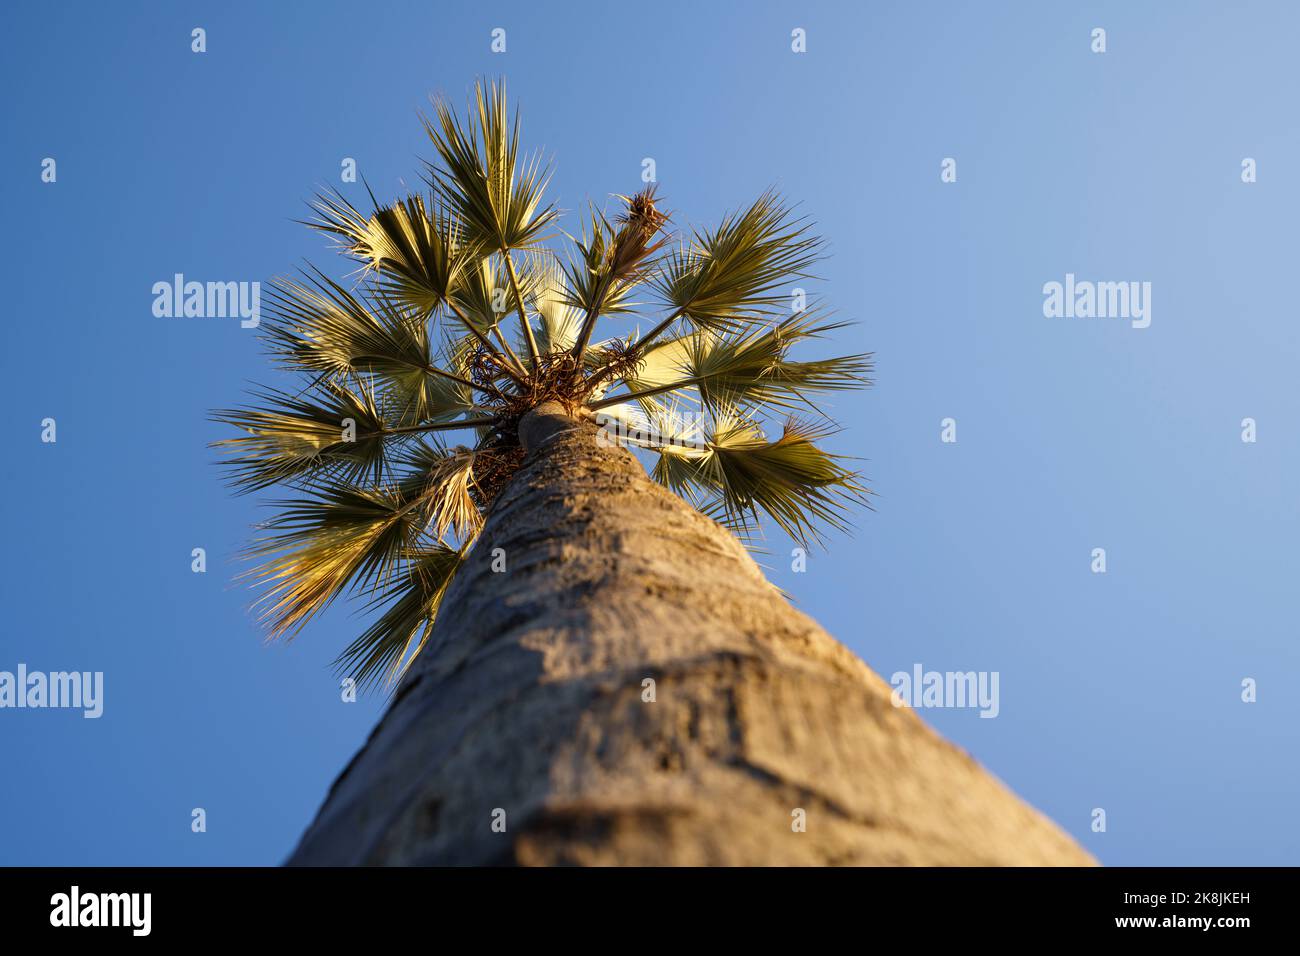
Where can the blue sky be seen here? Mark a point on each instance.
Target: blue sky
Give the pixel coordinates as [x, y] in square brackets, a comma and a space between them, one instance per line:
[1119, 691]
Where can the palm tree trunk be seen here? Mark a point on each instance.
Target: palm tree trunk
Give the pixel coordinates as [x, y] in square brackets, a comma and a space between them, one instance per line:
[525, 732]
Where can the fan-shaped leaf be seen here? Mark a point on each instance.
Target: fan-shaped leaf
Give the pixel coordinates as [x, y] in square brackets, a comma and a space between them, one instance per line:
[498, 199]
[320, 546]
[414, 246]
[333, 432]
[386, 649]
[736, 270]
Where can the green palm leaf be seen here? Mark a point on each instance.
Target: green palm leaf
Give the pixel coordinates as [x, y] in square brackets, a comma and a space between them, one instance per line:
[334, 432]
[338, 538]
[481, 293]
[322, 327]
[796, 483]
[414, 245]
[747, 368]
[498, 199]
[559, 320]
[752, 368]
[416, 347]
[386, 649]
[728, 274]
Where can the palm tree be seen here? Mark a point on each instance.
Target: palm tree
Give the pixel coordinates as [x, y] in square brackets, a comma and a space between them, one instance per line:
[586, 665]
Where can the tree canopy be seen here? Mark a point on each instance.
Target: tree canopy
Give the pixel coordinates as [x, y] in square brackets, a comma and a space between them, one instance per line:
[470, 306]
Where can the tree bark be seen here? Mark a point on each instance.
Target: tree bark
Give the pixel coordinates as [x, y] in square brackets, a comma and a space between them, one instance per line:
[529, 708]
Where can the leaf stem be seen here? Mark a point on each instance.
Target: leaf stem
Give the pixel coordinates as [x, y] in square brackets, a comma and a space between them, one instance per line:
[657, 330]
[645, 393]
[439, 426]
[487, 344]
[519, 302]
[595, 378]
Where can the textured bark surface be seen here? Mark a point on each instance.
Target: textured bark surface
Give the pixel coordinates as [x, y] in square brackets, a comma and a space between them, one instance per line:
[529, 700]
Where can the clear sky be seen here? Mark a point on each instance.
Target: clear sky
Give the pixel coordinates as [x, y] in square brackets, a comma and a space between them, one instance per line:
[1120, 691]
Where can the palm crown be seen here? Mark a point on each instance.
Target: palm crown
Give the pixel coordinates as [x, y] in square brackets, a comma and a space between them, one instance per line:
[420, 347]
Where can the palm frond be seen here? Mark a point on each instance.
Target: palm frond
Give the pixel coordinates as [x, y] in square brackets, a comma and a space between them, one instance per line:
[479, 300]
[496, 197]
[443, 483]
[333, 431]
[591, 286]
[671, 425]
[731, 273]
[386, 649]
[320, 546]
[481, 293]
[415, 346]
[320, 326]
[743, 369]
[752, 368]
[414, 246]
[617, 260]
[796, 483]
[665, 362]
[558, 318]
